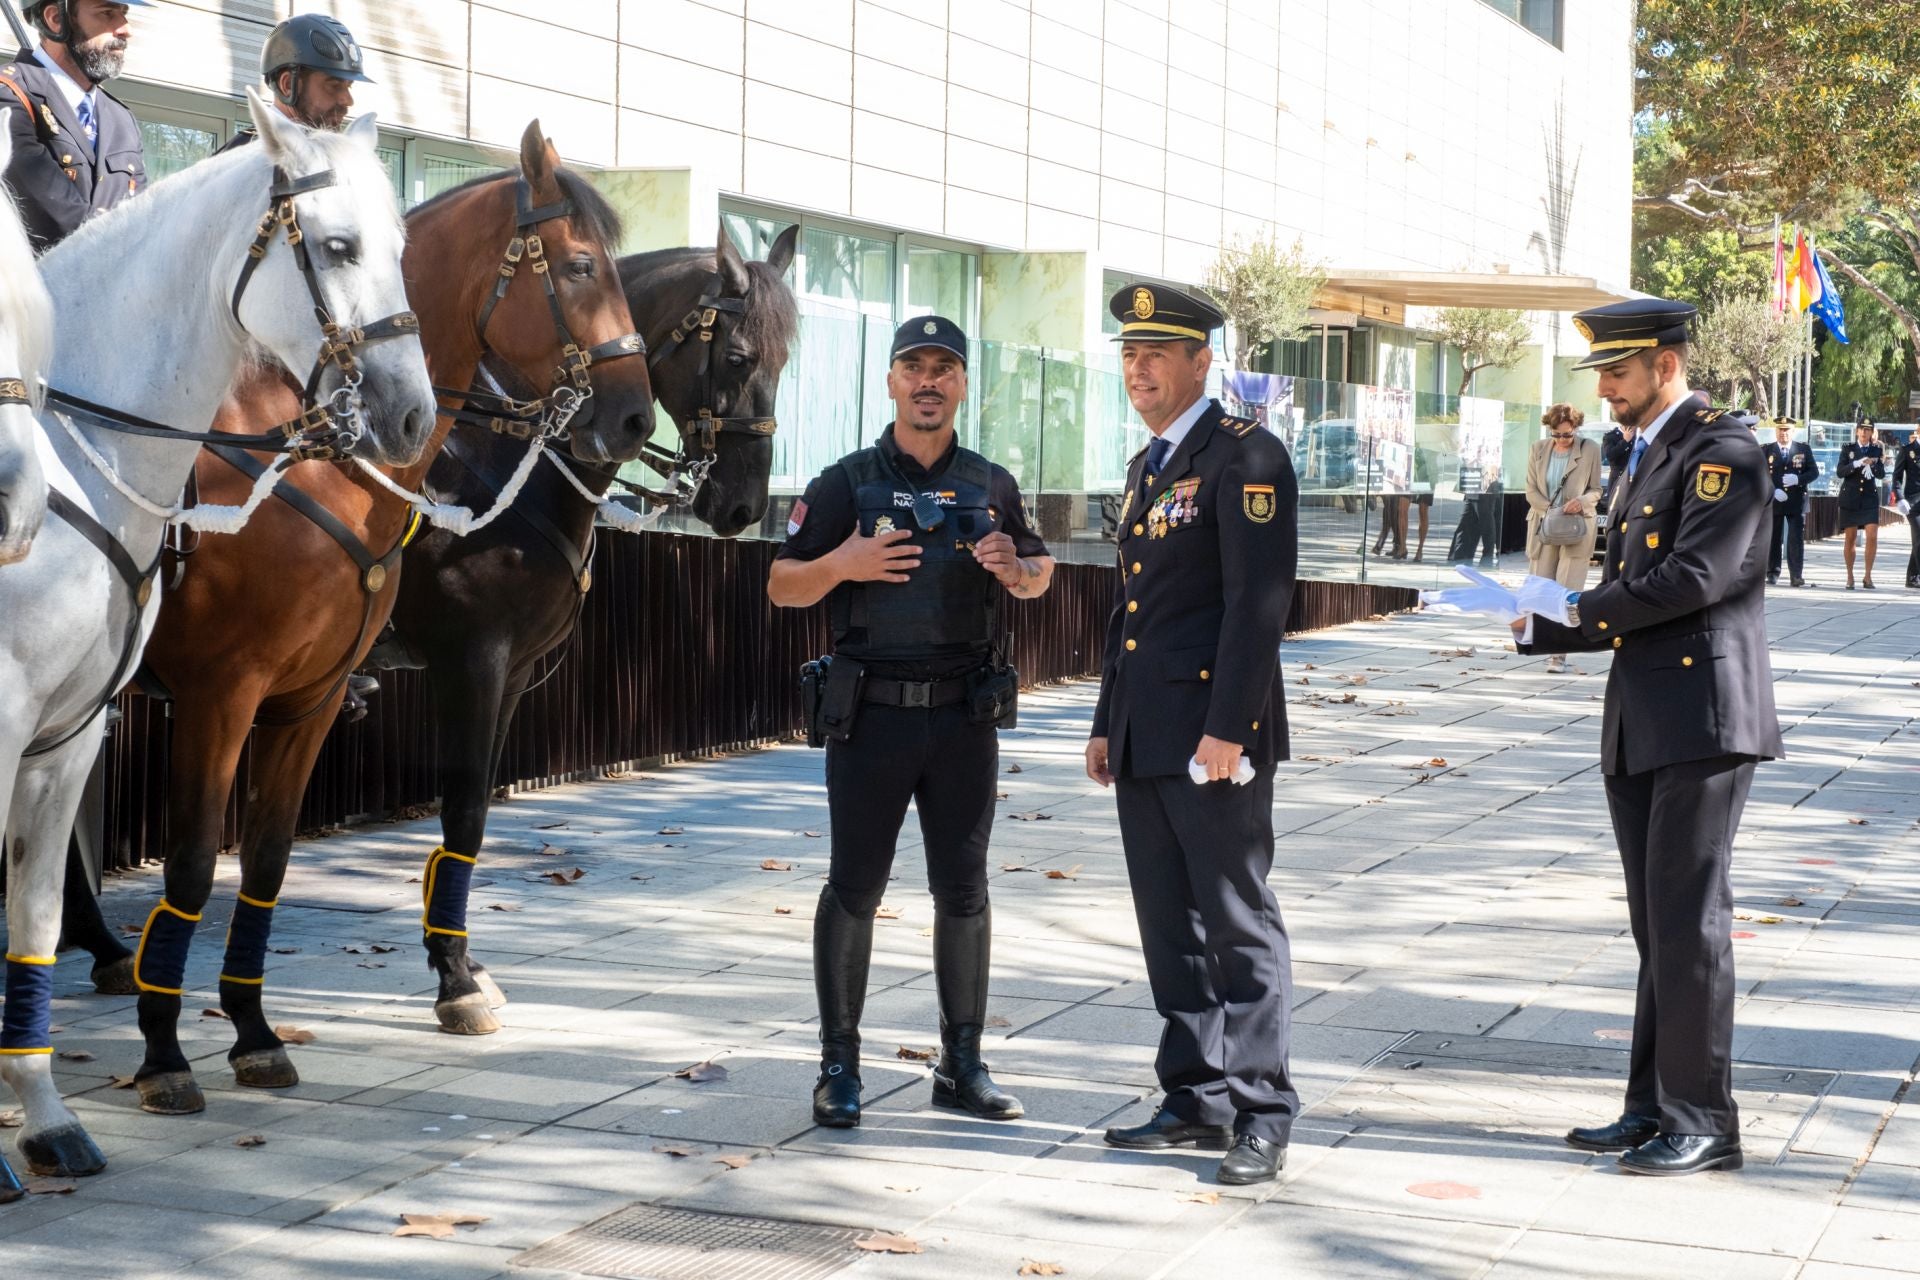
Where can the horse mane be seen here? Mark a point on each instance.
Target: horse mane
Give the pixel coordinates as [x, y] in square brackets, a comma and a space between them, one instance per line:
[591, 211]
[26, 311]
[772, 318]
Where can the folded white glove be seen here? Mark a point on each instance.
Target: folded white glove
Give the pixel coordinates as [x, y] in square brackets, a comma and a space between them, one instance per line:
[1779, 495]
[1242, 772]
[1491, 599]
[1545, 597]
[1789, 480]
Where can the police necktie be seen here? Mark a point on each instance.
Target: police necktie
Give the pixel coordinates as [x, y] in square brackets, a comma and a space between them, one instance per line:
[1633, 462]
[1157, 455]
[85, 112]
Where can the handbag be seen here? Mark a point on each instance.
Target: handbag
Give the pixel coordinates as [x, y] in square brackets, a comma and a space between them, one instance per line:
[1557, 528]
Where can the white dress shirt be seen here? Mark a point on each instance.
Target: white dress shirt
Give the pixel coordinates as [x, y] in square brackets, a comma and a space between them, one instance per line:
[69, 88]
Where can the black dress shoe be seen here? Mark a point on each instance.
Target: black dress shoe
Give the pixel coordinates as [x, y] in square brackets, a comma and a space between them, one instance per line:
[1773, 579]
[1673, 1155]
[1624, 1134]
[1253, 1159]
[1167, 1130]
[1798, 582]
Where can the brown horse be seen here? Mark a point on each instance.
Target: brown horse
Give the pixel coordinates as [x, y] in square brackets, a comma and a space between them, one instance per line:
[264, 628]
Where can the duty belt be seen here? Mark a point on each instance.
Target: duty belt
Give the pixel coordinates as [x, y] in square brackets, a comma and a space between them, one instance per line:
[915, 693]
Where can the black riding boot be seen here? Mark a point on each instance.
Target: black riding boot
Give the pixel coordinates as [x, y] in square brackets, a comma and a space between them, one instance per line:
[842, 951]
[962, 947]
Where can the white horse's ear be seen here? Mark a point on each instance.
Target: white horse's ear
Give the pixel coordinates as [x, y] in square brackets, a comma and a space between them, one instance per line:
[276, 131]
[365, 130]
[6, 137]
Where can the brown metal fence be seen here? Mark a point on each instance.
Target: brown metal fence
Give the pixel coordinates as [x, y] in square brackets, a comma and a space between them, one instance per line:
[677, 654]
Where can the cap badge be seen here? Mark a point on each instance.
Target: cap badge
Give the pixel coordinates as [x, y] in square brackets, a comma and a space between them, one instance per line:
[1143, 303]
[929, 328]
[1580, 327]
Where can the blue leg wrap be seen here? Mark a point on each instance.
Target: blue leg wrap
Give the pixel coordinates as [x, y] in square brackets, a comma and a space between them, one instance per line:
[247, 936]
[26, 1022]
[160, 965]
[444, 889]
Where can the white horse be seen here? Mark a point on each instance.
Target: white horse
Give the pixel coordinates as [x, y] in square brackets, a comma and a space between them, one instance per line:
[146, 322]
[26, 343]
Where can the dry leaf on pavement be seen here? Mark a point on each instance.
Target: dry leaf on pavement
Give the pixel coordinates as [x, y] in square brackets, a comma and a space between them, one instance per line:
[76, 1055]
[887, 913]
[889, 1244]
[701, 1072]
[436, 1226]
[1033, 817]
[294, 1035]
[214, 1013]
[774, 864]
[1858, 822]
[1015, 866]
[997, 1021]
[672, 831]
[1071, 873]
[119, 1082]
[1028, 1267]
[783, 911]
[552, 851]
[49, 1187]
[734, 1162]
[915, 1055]
[1199, 1197]
[503, 906]
[251, 1140]
[676, 1151]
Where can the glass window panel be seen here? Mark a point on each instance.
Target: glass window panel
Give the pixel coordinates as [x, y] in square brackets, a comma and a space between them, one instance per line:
[753, 236]
[394, 161]
[444, 173]
[853, 270]
[941, 282]
[172, 147]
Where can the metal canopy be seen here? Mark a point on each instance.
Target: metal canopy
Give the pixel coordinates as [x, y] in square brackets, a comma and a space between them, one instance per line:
[1475, 289]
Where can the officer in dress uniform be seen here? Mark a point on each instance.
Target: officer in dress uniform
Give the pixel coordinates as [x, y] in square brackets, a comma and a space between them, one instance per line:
[1793, 467]
[914, 542]
[76, 148]
[1689, 710]
[311, 62]
[1906, 484]
[1190, 722]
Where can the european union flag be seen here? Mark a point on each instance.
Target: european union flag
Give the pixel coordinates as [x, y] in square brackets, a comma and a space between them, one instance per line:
[1827, 305]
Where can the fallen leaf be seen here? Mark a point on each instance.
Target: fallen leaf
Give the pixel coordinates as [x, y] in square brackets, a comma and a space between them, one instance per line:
[1451, 653]
[1348, 697]
[999, 795]
[676, 1151]
[413, 879]
[671, 831]
[552, 851]
[549, 826]
[133, 930]
[889, 1244]
[701, 1072]
[997, 1021]
[294, 1035]
[644, 876]
[215, 1013]
[1437, 762]
[1356, 680]
[49, 1187]
[372, 964]
[119, 1082]
[1071, 873]
[1792, 902]
[1445, 1191]
[1309, 666]
[1015, 866]
[286, 951]
[503, 906]
[1014, 768]
[557, 877]
[1858, 822]
[783, 911]
[1033, 817]
[1028, 1267]
[1199, 1197]
[915, 1055]
[251, 1140]
[811, 835]
[352, 951]
[436, 1226]
[887, 913]
[774, 864]
[76, 1055]
[380, 950]
[735, 1162]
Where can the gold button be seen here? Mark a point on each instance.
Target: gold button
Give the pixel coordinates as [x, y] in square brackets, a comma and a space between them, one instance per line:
[1256, 724]
[1686, 662]
[1131, 645]
[66, 159]
[1647, 510]
[1136, 566]
[1601, 625]
[1616, 642]
[1133, 606]
[1205, 674]
[1137, 531]
[1623, 564]
[1623, 524]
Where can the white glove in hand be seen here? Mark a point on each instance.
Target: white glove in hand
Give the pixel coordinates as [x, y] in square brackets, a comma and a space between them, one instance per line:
[1779, 495]
[1789, 480]
[1545, 597]
[1485, 596]
[1242, 772]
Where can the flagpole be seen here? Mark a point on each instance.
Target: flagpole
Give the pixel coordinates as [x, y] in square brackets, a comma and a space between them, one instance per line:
[1779, 284]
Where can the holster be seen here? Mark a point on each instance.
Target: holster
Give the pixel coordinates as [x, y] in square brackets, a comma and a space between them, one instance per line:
[993, 696]
[830, 689]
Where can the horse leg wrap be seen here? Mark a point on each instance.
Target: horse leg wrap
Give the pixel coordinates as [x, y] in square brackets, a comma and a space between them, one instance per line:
[160, 965]
[26, 1022]
[246, 959]
[444, 888]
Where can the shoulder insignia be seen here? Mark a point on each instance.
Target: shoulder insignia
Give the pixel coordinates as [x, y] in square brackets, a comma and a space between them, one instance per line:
[1239, 428]
[1713, 415]
[1711, 481]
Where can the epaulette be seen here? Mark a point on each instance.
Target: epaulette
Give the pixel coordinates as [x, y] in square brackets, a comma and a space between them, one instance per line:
[1239, 428]
[1712, 415]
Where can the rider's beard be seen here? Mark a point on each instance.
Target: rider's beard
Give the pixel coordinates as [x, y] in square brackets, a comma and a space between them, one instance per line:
[102, 57]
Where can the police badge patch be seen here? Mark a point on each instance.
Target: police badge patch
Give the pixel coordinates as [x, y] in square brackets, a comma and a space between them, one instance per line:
[1257, 501]
[1711, 482]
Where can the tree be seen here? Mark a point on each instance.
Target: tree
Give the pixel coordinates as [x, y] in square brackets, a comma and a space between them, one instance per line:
[1741, 339]
[1775, 106]
[1265, 291]
[1488, 338]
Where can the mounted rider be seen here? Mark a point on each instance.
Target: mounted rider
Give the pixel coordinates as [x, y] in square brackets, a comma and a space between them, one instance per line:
[311, 62]
[76, 148]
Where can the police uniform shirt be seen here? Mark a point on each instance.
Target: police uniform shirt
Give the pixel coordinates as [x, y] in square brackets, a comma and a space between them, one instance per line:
[826, 515]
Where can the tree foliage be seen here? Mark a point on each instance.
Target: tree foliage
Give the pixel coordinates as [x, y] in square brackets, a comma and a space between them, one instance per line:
[1488, 338]
[1740, 342]
[1765, 106]
[1266, 290]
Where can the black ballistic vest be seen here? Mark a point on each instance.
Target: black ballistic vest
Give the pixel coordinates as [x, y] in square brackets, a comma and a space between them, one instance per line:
[945, 606]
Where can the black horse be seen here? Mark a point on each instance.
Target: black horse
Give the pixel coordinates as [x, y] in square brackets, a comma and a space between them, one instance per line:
[480, 612]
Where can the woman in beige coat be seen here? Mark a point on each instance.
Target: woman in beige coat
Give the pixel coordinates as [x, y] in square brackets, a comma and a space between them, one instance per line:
[1563, 474]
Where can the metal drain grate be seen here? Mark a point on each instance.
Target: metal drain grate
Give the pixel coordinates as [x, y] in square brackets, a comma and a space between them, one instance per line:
[647, 1242]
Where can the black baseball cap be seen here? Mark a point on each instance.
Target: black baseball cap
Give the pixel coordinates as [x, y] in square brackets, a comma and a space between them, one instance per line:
[930, 331]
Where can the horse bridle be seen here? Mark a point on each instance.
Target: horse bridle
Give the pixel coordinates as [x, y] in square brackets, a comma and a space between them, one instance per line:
[548, 416]
[331, 424]
[13, 391]
[677, 469]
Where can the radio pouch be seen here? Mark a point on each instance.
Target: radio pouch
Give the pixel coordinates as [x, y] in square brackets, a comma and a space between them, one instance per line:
[840, 699]
[993, 696]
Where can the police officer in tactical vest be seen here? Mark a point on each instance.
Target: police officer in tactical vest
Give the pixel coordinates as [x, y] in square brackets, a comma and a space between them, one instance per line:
[76, 148]
[311, 62]
[914, 543]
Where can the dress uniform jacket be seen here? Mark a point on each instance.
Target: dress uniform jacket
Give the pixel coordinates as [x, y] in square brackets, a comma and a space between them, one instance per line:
[1906, 472]
[1796, 459]
[56, 175]
[1682, 601]
[1207, 557]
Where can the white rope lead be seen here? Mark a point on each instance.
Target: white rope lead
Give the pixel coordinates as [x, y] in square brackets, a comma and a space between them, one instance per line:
[618, 515]
[203, 519]
[458, 520]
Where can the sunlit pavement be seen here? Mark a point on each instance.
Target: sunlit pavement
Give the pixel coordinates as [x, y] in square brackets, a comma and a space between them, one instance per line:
[1464, 995]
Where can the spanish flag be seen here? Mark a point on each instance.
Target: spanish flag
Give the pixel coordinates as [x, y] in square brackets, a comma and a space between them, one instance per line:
[1803, 278]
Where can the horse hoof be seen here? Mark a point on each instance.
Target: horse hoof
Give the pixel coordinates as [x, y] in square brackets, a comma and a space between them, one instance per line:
[466, 1016]
[265, 1069]
[171, 1093]
[496, 998]
[115, 978]
[66, 1152]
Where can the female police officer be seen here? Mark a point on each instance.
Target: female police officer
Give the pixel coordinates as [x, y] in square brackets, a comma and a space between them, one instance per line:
[915, 539]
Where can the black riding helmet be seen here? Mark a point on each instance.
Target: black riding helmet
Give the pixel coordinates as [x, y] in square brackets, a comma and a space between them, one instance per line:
[311, 42]
[36, 13]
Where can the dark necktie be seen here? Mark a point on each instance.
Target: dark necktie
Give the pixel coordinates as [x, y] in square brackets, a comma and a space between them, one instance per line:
[1157, 454]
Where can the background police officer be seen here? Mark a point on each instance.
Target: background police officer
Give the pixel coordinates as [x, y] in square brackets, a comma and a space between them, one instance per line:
[1689, 710]
[1792, 467]
[311, 62]
[76, 148]
[1191, 718]
[1906, 486]
[915, 539]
